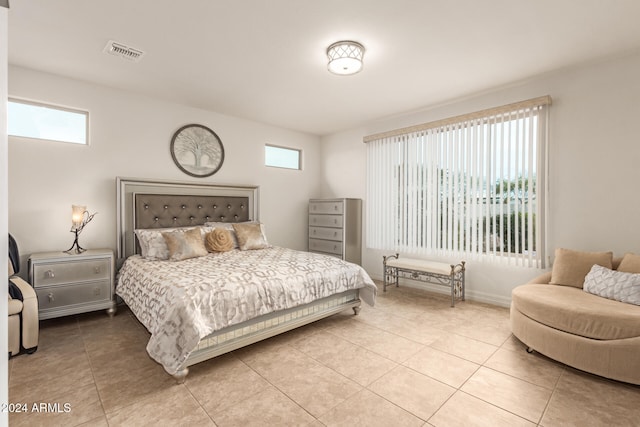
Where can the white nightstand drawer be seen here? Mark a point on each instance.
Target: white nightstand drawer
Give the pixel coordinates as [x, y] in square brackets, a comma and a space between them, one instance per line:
[326, 220]
[326, 208]
[326, 233]
[71, 272]
[68, 295]
[325, 246]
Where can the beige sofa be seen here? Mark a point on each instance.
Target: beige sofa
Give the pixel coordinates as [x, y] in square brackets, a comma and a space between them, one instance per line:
[554, 316]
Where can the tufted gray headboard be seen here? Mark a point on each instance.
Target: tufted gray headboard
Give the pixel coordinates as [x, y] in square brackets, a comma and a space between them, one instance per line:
[160, 204]
[170, 210]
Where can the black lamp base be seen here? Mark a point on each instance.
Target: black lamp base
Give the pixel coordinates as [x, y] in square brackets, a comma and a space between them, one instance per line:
[75, 248]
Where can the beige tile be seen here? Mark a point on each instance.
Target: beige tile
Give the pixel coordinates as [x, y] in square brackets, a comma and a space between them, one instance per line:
[123, 342]
[222, 382]
[351, 360]
[465, 348]
[123, 379]
[59, 325]
[511, 394]
[94, 362]
[583, 399]
[384, 343]
[514, 344]
[442, 366]
[404, 328]
[63, 335]
[463, 410]
[172, 406]
[531, 367]
[367, 409]
[112, 363]
[38, 389]
[310, 384]
[412, 391]
[487, 333]
[67, 406]
[270, 407]
[345, 317]
[97, 422]
[48, 364]
[99, 324]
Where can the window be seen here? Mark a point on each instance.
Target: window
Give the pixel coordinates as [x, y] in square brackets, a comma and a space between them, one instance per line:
[471, 185]
[40, 121]
[281, 157]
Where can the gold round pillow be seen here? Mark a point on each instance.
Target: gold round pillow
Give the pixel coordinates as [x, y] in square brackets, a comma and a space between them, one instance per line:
[218, 240]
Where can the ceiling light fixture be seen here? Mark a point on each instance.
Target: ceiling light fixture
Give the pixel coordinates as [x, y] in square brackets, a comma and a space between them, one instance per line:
[345, 57]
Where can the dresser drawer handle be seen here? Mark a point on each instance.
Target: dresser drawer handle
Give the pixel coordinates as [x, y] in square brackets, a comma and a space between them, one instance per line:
[97, 269]
[51, 298]
[49, 274]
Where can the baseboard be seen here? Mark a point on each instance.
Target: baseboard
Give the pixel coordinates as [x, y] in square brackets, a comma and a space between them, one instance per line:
[473, 295]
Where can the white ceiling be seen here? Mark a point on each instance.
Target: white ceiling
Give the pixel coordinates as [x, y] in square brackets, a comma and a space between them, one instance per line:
[265, 60]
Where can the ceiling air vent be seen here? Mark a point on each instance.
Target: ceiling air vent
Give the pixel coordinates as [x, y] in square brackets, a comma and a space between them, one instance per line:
[123, 51]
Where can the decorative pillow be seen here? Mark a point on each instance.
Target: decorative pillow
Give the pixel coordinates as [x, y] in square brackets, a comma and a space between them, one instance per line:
[250, 236]
[225, 226]
[570, 267]
[612, 284]
[218, 240]
[152, 243]
[184, 244]
[630, 263]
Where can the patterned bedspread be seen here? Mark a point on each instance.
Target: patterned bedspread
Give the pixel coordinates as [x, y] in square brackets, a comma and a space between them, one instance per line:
[182, 302]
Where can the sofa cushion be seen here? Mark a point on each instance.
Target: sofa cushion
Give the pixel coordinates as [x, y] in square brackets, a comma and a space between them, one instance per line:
[571, 267]
[577, 312]
[630, 263]
[615, 285]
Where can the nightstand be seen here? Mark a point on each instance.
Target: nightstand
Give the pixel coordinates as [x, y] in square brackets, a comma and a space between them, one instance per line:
[69, 284]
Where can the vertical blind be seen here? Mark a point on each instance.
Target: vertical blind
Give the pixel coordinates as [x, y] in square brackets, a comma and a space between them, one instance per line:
[471, 185]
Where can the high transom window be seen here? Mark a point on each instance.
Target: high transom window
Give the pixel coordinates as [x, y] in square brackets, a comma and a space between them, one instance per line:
[28, 119]
[282, 157]
[471, 185]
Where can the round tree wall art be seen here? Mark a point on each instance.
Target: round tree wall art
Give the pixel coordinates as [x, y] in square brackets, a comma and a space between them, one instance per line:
[197, 150]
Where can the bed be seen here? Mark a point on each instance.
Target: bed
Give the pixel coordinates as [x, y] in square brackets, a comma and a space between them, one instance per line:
[201, 307]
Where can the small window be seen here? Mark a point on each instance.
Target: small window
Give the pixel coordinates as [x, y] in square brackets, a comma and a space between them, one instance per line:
[281, 157]
[40, 121]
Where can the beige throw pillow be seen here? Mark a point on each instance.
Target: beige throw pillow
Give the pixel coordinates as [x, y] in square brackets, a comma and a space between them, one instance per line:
[250, 236]
[219, 240]
[571, 267]
[630, 263]
[184, 245]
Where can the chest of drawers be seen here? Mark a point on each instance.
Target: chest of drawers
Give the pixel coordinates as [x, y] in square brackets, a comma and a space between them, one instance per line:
[69, 284]
[335, 228]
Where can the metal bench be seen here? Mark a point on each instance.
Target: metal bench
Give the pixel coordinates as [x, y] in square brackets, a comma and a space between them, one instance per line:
[438, 273]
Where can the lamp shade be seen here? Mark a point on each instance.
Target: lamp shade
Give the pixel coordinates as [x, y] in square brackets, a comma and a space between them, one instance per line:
[77, 215]
[345, 57]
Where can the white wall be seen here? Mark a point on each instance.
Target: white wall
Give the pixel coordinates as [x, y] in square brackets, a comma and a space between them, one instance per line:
[130, 136]
[594, 158]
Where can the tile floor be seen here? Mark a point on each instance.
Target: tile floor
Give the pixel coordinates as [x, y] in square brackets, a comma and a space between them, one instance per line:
[410, 361]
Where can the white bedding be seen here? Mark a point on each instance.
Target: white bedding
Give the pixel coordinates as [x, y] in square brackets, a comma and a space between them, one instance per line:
[182, 302]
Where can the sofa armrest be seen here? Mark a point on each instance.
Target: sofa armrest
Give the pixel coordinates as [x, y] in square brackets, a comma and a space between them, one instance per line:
[30, 326]
[542, 279]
